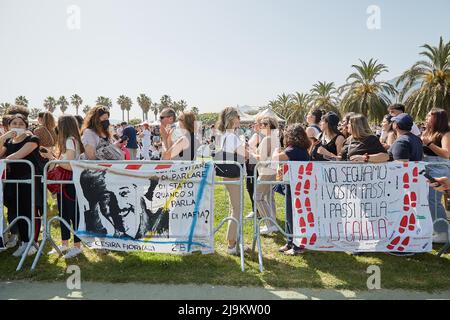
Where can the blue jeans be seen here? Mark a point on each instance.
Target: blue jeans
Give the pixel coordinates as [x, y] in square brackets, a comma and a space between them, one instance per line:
[434, 197]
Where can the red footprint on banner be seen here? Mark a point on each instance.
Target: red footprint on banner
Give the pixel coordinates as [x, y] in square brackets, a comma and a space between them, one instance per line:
[405, 164]
[302, 225]
[404, 243]
[308, 204]
[415, 174]
[412, 222]
[307, 186]
[313, 239]
[413, 199]
[285, 169]
[309, 168]
[298, 188]
[298, 206]
[403, 224]
[311, 219]
[406, 203]
[303, 243]
[393, 243]
[406, 181]
[301, 170]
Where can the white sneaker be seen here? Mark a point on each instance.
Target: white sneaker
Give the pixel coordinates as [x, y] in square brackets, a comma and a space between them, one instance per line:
[233, 251]
[32, 250]
[73, 252]
[440, 237]
[12, 241]
[61, 248]
[251, 215]
[20, 250]
[265, 231]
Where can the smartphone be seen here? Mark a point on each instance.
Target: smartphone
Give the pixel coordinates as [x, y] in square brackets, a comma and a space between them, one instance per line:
[427, 175]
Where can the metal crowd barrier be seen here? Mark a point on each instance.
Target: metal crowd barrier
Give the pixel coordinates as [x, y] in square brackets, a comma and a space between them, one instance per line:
[258, 221]
[48, 222]
[30, 222]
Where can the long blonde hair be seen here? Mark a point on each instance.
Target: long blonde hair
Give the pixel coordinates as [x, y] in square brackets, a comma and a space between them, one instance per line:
[226, 118]
[360, 127]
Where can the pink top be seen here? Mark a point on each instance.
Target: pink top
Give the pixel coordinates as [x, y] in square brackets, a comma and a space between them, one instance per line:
[126, 153]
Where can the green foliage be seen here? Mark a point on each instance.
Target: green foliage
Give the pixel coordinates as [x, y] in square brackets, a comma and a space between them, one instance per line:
[135, 122]
[432, 76]
[208, 118]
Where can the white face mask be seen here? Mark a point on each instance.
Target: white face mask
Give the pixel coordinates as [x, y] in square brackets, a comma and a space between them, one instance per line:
[18, 131]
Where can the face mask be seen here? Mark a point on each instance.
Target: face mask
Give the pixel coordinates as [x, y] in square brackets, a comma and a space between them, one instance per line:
[105, 124]
[18, 131]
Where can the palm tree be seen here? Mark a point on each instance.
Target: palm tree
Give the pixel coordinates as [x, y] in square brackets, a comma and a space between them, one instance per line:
[4, 107]
[63, 103]
[166, 102]
[299, 108]
[432, 75]
[104, 101]
[34, 113]
[22, 101]
[50, 104]
[324, 96]
[128, 108]
[122, 102]
[155, 108]
[179, 106]
[145, 103]
[86, 109]
[195, 110]
[364, 94]
[282, 105]
[76, 101]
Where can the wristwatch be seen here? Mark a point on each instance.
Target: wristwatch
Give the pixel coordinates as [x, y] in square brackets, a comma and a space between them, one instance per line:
[366, 157]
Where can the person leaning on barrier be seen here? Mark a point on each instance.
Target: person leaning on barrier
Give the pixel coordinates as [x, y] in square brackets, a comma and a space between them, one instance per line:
[388, 134]
[69, 147]
[297, 145]
[330, 142]
[16, 144]
[228, 124]
[407, 147]
[253, 144]
[436, 147]
[362, 145]
[264, 197]
[185, 147]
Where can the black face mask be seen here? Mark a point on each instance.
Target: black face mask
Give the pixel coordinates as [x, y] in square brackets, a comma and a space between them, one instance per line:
[105, 125]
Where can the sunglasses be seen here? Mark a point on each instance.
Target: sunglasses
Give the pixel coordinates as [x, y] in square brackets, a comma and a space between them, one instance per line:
[162, 117]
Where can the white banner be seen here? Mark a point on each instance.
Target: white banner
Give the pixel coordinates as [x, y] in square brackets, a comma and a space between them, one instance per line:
[2, 169]
[148, 208]
[361, 207]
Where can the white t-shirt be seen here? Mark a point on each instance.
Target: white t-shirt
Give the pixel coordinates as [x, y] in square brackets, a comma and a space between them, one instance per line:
[72, 144]
[147, 138]
[89, 137]
[230, 142]
[415, 130]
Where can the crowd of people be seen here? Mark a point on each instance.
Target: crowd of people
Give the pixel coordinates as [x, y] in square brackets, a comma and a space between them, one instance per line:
[324, 137]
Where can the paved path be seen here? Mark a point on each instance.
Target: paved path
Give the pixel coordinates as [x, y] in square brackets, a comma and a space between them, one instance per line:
[134, 291]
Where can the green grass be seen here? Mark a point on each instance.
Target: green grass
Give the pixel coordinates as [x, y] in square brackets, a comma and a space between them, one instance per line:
[313, 269]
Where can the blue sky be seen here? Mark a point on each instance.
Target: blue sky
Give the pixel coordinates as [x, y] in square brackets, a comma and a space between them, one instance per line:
[211, 53]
